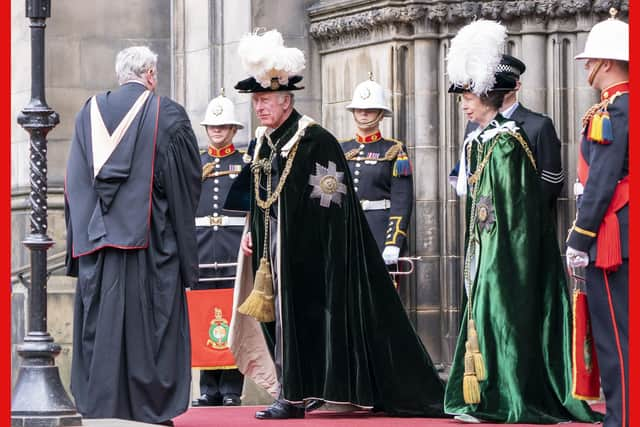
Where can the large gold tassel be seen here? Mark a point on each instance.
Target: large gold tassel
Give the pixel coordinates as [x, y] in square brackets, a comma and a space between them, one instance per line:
[260, 304]
[478, 360]
[470, 386]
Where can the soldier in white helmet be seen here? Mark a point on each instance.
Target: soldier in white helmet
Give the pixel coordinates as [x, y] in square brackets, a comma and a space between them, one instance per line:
[219, 233]
[599, 237]
[381, 171]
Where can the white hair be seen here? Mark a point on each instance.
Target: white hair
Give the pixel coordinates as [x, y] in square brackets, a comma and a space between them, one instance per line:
[282, 95]
[133, 62]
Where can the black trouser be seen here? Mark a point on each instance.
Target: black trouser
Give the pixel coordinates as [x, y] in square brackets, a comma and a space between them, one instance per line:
[218, 383]
[609, 311]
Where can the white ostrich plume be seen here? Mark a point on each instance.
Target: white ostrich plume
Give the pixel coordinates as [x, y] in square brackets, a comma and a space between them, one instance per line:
[474, 55]
[264, 56]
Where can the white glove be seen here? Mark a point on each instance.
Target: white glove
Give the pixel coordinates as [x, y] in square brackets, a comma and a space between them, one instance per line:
[576, 258]
[390, 254]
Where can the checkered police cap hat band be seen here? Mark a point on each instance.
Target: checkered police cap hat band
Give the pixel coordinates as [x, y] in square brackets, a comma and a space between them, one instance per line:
[505, 68]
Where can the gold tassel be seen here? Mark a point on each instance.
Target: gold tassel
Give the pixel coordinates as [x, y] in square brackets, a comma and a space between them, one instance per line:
[470, 386]
[260, 304]
[478, 360]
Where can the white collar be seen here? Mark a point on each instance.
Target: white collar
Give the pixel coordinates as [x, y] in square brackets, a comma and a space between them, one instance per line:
[509, 111]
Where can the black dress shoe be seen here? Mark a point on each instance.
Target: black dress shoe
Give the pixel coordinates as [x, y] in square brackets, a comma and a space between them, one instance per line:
[231, 400]
[165, 423]
[281, 409]
[313, 404]
[206, 400]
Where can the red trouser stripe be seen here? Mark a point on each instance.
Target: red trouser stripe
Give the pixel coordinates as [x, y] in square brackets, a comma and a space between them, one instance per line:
[619, 348]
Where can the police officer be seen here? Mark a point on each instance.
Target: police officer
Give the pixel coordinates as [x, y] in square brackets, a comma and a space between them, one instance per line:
[219, 233]
[599, 238]
[542, 137]
[381, 171]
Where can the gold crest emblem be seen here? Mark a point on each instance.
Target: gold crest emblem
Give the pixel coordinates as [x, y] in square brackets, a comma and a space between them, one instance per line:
[218, 331]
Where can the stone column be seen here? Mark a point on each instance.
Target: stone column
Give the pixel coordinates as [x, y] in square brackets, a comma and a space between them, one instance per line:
[530, 49]
[432, 284]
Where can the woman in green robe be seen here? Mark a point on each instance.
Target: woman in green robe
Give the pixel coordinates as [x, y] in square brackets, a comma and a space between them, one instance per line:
[512, 361]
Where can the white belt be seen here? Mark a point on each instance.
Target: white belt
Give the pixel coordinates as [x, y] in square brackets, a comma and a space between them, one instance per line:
[221, 221]
[375, 205]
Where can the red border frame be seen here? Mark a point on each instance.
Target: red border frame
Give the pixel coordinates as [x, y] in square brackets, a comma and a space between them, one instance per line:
[634, 225]
[5, 217]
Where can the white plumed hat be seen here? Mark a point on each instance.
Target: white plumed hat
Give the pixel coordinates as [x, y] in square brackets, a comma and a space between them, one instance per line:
[270, 65]
[474, 55]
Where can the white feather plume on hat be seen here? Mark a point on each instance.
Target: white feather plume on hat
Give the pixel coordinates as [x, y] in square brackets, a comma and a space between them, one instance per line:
[264, 56]
[474, 55]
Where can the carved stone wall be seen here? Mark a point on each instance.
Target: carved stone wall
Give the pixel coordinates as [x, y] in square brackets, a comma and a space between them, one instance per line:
[405, 44]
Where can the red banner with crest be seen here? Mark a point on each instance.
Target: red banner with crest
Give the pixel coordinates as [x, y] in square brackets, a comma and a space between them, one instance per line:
[586, 375]
[209, 319]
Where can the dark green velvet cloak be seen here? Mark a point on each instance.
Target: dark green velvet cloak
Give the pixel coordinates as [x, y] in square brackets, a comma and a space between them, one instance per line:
[346, 336]
[520, 298]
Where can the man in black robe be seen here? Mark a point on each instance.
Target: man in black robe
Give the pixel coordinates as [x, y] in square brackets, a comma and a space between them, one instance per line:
[132, 188]
[335, 328]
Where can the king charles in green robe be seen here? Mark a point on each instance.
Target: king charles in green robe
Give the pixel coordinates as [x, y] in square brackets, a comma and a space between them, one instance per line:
[340, 333]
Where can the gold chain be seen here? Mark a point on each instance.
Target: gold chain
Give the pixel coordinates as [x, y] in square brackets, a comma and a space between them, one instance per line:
[475, 177]
[525, 147]
[272, 197]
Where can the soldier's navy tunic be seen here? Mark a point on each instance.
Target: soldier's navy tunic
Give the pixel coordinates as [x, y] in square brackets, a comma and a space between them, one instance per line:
[387, 200]
[218, 242]
[131, 243]
[607, 292]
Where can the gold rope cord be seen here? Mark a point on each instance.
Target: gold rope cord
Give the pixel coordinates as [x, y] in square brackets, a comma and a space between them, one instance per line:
[260, 303]
[272, 197]
[389, 155]
[208, 171]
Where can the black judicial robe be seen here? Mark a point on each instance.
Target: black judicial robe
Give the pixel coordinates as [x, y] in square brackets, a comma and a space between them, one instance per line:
[346, 337]
[131, 348]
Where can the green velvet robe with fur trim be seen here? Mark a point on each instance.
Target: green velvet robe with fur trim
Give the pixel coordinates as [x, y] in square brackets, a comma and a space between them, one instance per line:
[345, 335]
[520, 301]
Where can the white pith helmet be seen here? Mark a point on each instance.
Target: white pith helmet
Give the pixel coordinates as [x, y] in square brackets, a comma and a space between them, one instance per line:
[608, 39]
[221, 111]
[369, 95]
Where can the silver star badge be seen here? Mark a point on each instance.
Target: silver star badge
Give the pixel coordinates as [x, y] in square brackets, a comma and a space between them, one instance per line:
[327, 185]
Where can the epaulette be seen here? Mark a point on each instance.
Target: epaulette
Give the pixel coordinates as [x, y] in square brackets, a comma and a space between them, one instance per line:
[596, 123]
[396, 141]
[402, 165]
[342, 141]
[393, 152]
[203, 150]
[615, 96]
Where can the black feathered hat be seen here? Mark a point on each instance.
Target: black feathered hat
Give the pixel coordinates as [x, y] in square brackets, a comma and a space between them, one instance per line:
[271, 66]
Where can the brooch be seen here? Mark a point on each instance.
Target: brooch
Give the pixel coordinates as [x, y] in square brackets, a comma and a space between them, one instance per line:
[485, 213]
[327, 185]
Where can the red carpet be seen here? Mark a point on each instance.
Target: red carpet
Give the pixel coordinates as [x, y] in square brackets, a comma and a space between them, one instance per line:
[243, 416]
